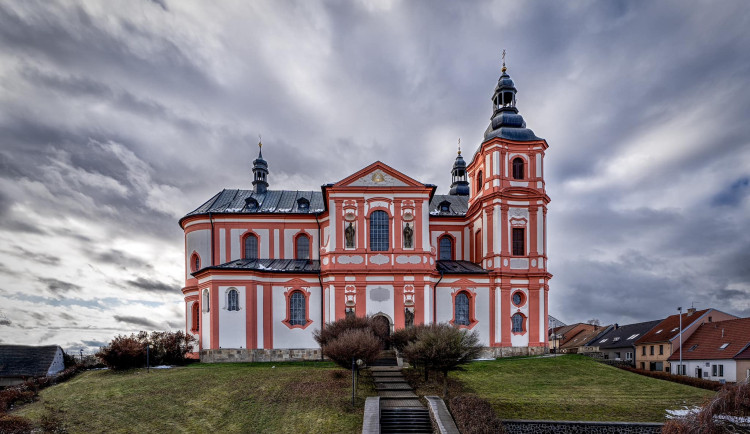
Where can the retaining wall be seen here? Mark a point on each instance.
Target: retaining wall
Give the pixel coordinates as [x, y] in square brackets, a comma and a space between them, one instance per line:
[578, 427]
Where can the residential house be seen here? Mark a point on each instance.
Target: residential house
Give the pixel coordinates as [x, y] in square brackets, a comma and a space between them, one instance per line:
[20, 362]
[559, 336]
[654, 348]
[716, 351]
[618, 343]
[578, 343]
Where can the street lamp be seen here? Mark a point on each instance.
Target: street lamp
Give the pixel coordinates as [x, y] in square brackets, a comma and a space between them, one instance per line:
[680, 370]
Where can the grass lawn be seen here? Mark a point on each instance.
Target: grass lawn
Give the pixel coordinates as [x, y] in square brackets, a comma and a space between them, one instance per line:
[244, 397]
[571, 388]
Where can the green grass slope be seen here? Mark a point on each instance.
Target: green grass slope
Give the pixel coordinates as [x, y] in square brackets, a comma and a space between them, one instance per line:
[574, 388]
[290, 398]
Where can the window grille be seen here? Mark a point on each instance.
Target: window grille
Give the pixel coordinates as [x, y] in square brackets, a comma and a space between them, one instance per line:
[517, 320]
[518, 168]
[379, 231]
[446, 248]
[462, 309]
[297, 314]
[519, 240]
[233, 300]
[251, 247]
[303, 247]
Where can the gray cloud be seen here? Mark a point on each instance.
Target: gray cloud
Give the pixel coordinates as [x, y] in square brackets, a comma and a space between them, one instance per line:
[137, 321]
[57, 285]
[153, 285]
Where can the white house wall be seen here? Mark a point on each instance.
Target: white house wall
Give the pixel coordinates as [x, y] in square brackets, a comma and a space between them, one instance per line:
[730, 369]
[285, 337]
[232, 329]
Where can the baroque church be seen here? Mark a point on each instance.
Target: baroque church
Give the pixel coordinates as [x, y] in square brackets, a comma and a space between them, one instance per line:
[265, 268]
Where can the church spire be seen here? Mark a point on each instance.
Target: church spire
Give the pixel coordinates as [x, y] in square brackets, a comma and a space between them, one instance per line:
[460, 186]
[260, 171]
[506, 122]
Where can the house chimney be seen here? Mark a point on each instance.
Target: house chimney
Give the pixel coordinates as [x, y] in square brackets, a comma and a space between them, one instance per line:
[691, 311]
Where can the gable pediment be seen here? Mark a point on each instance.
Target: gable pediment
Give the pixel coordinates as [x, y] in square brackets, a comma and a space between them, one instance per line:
[378, 174]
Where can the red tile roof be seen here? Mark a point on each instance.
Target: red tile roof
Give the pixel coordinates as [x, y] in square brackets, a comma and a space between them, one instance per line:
[669, 328]
[582, 338]
[707, 341]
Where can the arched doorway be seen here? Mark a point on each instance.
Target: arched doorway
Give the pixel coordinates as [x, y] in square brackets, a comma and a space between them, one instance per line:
[383, 324]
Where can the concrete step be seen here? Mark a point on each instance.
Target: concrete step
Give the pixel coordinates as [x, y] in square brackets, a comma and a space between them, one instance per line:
[401, 403]
[385, 369]
[392, 386]
[389, 380]
[396, 394]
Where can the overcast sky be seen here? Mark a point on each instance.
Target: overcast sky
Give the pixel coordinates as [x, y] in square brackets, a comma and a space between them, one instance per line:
[118, 118]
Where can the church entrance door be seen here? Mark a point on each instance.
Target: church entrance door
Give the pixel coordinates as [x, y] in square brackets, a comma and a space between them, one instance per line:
[382, 322]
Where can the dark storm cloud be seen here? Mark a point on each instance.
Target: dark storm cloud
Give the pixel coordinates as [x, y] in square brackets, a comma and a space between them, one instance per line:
[120, 258]
[153, 285]
[57, 286]
[137, 321]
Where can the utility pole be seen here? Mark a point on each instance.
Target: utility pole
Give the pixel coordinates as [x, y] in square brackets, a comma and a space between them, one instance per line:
[680, 371]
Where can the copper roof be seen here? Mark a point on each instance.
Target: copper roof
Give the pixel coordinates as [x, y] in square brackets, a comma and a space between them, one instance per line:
[717, 340]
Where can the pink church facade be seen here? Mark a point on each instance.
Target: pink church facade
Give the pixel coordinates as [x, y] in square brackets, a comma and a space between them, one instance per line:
[265, 268]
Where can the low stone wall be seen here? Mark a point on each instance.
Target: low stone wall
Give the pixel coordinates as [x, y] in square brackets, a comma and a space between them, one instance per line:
[578, 427]
[246, 355]
[494, 352]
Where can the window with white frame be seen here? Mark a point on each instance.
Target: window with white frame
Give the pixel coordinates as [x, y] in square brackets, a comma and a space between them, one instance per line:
[251, 246]
[379, 231]
[517, 321]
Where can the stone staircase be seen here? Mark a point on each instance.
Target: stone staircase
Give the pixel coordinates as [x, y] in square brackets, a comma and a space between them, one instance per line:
[400, 409]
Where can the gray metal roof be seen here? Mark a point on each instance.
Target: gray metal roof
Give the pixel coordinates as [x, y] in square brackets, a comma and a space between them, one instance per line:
[26, 361]
[459, 267]
[459, 205]
[619, 337]
[272, 201]
[270, 265]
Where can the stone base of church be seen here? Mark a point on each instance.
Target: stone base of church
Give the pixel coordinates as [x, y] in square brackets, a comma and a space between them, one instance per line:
[495, 352]
[229, 355]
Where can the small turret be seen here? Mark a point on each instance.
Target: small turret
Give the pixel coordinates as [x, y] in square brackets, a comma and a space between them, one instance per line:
[260, 172]
[459, 186]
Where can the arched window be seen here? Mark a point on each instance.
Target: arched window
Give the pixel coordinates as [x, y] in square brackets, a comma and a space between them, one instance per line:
[303, 247]
[233, 300]
[205, 300]
[195, 262]
[195, 317]
[462, 309]
[517, 320]
[446, 248]
[297, 314]
[518, 168]
[251, 246]
[479, 181]
[379, 231]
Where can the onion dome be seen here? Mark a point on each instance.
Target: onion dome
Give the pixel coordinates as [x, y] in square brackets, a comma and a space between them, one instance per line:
[505, 122]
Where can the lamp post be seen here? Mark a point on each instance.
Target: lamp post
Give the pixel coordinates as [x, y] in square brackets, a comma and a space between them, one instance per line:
[680, 371]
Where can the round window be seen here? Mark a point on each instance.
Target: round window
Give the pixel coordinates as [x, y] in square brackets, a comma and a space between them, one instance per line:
[517, 298]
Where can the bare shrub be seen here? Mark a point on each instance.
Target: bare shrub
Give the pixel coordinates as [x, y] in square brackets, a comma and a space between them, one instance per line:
[334, 329]
[717, 415]
[443, 348]
[352, 345]
[14, 424]
[165, 348]
[474, 415]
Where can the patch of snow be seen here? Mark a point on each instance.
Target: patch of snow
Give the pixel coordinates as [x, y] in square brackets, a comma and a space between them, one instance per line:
[681, 412]
[162, 367]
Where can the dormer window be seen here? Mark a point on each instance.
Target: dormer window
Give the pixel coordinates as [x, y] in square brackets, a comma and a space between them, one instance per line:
[303, 205]
[251, 204]
[445, 207]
